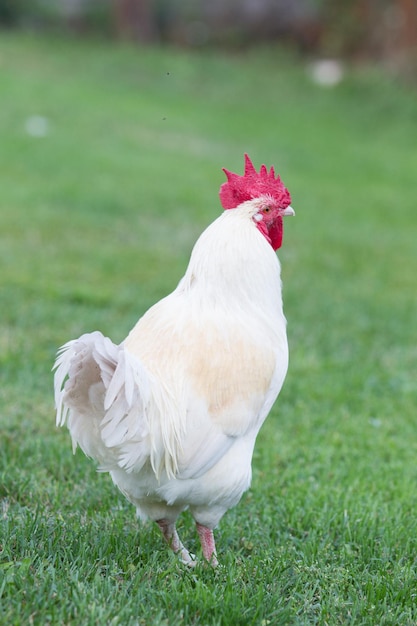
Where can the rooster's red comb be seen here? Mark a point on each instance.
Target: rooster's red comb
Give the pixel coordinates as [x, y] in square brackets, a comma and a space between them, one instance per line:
[251, 185]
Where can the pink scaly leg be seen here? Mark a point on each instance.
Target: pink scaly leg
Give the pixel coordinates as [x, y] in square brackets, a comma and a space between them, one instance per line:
[171, 537]
[207, 544]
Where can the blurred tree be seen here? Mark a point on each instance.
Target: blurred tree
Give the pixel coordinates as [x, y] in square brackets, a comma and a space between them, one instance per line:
[135, 19]
[383, 30]
[401, 41]
[9, 12]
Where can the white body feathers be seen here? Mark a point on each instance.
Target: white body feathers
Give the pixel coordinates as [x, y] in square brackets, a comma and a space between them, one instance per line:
[173, 412]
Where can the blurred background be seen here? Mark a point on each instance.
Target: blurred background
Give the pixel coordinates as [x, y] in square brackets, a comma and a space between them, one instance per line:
[116, 117]
[384, 31]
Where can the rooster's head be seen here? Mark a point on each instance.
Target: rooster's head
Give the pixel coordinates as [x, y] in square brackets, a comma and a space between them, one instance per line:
[268, 194]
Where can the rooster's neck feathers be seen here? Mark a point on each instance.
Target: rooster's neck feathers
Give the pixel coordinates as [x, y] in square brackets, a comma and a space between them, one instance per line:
[233, 263]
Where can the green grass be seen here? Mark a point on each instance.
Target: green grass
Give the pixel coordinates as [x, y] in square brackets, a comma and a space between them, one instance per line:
[97, 220]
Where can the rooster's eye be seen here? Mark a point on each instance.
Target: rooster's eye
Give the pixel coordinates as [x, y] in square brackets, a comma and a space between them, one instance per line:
[267, 209]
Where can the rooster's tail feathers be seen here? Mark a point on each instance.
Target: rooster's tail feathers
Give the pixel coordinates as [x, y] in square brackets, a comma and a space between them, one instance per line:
[102, 392]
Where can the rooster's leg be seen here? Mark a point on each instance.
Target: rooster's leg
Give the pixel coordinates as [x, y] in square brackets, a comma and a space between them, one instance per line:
[207, 544]
[171, 537]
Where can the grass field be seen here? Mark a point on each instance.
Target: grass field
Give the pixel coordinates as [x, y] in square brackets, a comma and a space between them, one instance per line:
[97, 220]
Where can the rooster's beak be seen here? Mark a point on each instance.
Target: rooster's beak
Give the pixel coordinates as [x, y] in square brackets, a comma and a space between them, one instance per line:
[288, 211]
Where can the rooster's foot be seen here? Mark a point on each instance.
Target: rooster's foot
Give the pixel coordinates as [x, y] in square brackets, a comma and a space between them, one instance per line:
[207, 544]
[171, 537]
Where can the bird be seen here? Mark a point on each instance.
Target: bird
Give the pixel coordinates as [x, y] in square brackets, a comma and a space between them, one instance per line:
[173, 411]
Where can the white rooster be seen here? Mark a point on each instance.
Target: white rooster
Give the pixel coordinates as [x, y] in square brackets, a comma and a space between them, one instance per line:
[172, 413]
